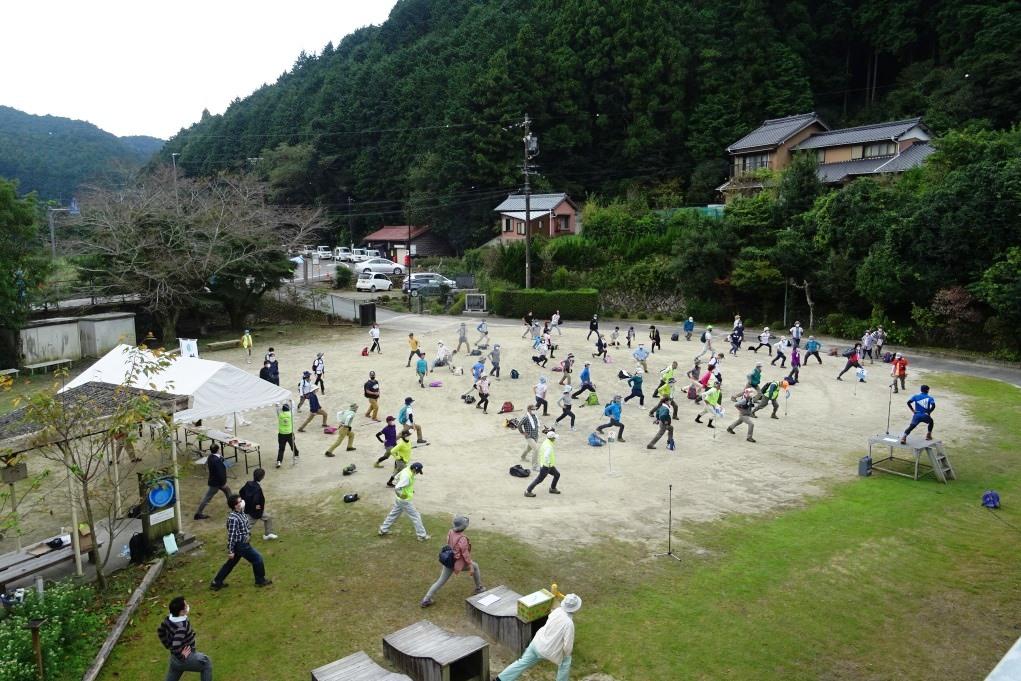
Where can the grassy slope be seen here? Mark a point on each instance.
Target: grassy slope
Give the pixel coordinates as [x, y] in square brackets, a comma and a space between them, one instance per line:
[882, 579]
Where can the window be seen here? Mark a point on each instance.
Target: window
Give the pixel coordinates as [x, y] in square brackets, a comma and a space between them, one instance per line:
[879, 149]
[521, 228]
[747, 164]
[563, 223]
[506, 224]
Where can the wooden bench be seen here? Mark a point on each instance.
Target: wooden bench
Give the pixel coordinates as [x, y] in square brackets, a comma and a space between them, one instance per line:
[8, 372]
[25, 563]
[46, 365]
[427, 653]
[499, 619]
[224, 345]
[357, 667]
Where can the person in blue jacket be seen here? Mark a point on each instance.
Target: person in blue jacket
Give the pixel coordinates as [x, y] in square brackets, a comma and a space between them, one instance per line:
[922, 405]
[635, 381]
[812, 347]
[689, 328]
[613, 411]
[586, 381]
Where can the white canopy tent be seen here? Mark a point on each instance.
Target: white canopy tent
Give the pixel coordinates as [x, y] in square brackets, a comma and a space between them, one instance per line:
[216, 388]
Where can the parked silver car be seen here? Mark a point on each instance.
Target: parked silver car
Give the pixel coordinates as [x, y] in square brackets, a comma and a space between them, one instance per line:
[381, 265]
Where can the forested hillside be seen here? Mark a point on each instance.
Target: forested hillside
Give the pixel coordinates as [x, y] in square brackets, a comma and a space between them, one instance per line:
[410, 119]
[54, 156]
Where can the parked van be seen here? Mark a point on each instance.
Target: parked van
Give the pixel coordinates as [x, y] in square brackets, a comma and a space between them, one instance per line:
[342, 254]
[324, 253]
[372, 253]
[358, 255]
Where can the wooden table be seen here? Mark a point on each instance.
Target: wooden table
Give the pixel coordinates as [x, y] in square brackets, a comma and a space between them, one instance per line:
[225, 440]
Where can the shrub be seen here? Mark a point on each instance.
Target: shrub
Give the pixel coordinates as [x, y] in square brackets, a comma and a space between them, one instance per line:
[642, 315]
[705, 310]
[343, 277]
[573, 252]
[561, 279]
[458, 306]
[579, 304]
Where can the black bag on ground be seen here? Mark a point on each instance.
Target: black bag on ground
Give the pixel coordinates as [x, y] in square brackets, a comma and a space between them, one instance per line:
[514, 373]
[138, 547]
[675, 336]
[475, 353]
[518, 471]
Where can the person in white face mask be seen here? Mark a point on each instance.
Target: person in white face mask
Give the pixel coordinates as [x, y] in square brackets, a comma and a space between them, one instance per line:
[239, 545]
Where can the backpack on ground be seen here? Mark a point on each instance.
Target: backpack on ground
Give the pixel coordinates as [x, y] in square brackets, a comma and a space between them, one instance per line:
[446, 557]
[991, 499]
[595, 441]
[887, 357]
[515, 374]
[592, 400]
[519, 471]
[692, 392]
[512, 424]
[703, 337]
[506, 407]
[557, 368]
[623, 375]
[365, 351]
[791, 380]
[329, 430]
[675, 336]
[475, 353]
[435, 384]
[468, 399]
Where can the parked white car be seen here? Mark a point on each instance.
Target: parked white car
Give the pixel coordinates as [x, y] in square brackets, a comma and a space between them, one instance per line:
[358, 255]
[381, 265]
[373, 281]
[342, 254]
[324, 253]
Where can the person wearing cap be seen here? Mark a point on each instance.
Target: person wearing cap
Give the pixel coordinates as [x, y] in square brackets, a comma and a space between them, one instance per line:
[744, 404]
[318, 369]
[754, 378]
[421, 368]
[630, 335]
[769, 393]
[662, 412]
[567, 365]
[540, 390]
[612, 410]
[586, 381]
[413, 345]
[655, 340]
[781, 347]
[593, 327]
[812, 347]
[345, 429]
[553, 642]
[462, 547]
[305, 388]
[387, 436]
[921, 405]
[404, 493]
[483, 329]
[442, 357]
[764, 341]
[711, 399]
[246, 345]
[462, 338]
[899, 371]
[374, 335]
[529, 428]
[641, 355]
[314, 409]
[401, 452]
[406, 417]
[547, 465]
[494, 358]
[796, 333]
[634, 381]
[482, 385]
[566, 403]
[371, 392]
[665, 393]
[285, 434]
[689, 328]
[670, 371]
[707, 342]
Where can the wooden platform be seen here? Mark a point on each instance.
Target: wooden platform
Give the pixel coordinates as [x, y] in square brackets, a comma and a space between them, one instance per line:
[425, 652]
[499, 619]
[357, 667]
[18, 565]
[932, 450]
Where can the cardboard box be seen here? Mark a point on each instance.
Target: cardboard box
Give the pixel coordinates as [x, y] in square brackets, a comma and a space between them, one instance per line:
[535, 605]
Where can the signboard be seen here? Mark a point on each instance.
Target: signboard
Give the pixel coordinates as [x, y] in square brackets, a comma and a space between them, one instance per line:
[414, 249]
[161, 516]
[189, 347]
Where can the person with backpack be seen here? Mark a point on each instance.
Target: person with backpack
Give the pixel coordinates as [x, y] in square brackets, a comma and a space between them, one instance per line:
[482, 385]
[494, 358]
[483, 330]
[899, 371]
[567, 366]
[613, 410]
[770, 392]
[641, 355]
[406, 417]
[812, 347]
[630, 335]
[853, 357]
[458, 558]
[711, 400]
[666, 427]
[655, 339]
[707, 342]
[796, 333]
[744, 404]
[177, 636]
[216, 480]
[764, 338]
[921, 405]
[319, 370]
[540, 390]
[255, 504]
[566, 403]
[593, 327]
[689, 328]
[404, 493]
[586, 381]
[547, 465]
[413, 344]
[634, 381]
[781, 347]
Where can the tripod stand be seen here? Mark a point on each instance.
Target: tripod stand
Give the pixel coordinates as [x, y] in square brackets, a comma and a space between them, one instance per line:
[669, 529]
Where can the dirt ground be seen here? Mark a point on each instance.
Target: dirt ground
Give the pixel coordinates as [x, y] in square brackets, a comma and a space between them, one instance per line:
[617, 491]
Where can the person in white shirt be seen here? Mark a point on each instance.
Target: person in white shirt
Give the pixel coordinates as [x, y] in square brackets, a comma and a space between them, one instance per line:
[764, 341]
[442, 357]
[782, 347]
[554, 323]
[707, 342]
[796, 333]
[554, 642]
[540, 395]
[374, 335]
[345, 429]
[319, 368]
[304, 388]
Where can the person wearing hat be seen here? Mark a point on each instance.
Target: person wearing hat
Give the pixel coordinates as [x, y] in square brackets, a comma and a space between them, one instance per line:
[406, 417]
[593, 327]
[387, 436]
[781, 347]
[374, 335]
[547, 465]
[754, 378]
[401, 452]
[345, 429]
[371, 392]
[711, 399]
[285, 434]
[665, 393]
[641, 355]
[689, 328]
[318, 369]
[553, 642]
[744, 404]
[404, 493]
[612, 410]
[812, 347]
[707, 342]
[796, 334]
[586, 381]
[462, 547]
[567, 365]
[540, 390]
[462, 338]
[769, 393]
[764, 341]
[442, 357]
[314, 409]
[666, 427]
[246, 345]
[566, 403]
[899, 371]
[305, 388]
[634, 381]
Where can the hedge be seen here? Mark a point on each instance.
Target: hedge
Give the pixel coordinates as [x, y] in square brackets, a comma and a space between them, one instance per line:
[579, 304]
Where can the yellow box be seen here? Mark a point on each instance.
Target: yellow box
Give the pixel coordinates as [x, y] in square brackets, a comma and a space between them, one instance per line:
[535, 605]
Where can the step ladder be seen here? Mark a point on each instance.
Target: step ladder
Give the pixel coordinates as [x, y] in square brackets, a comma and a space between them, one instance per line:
[941, 467]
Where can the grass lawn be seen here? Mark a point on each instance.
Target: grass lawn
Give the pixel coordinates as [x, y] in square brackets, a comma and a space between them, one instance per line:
[883, 578]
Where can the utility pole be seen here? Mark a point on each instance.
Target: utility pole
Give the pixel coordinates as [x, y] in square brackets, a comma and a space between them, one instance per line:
[177, 197]
[531, 143]
[350, 223]
[53, 234]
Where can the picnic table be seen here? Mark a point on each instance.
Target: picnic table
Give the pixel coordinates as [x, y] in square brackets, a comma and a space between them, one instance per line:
[226, 441]
[17, 565]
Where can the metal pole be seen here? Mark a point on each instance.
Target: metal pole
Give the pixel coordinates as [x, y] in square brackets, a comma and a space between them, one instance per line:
[14, 514]
[172, 432]
[350, 223]
[177, 198]
[53, 238]
[410, 266]
[528, 208]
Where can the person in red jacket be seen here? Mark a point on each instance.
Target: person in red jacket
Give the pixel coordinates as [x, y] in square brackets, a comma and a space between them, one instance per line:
[899, 371]
[462, 546]
[853, 360]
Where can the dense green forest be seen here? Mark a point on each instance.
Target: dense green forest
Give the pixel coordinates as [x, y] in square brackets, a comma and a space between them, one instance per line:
[53, 156]
[410, 118]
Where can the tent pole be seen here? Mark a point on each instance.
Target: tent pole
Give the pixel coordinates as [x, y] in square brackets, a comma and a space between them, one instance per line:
[177, 476]
[116, 480]
[75, 543]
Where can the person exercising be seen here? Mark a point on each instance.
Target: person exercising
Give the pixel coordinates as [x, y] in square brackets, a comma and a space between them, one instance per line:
[922, 405]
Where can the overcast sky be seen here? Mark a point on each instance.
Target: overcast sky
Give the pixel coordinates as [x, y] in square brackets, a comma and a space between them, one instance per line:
[149, 68]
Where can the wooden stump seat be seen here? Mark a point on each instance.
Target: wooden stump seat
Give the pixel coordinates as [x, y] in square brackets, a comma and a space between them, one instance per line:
[426, 652]
[356, 667]
[499, 620]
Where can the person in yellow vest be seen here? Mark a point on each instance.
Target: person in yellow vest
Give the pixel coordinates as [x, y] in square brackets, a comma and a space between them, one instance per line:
[401, 452]
[285, 434]
[547, 465]
[246, 345]
[345, 429]
[711, 404]
[404, 493]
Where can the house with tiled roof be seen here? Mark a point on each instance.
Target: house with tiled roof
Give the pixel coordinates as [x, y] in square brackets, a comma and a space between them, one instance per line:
[842, 155]
[550, 215]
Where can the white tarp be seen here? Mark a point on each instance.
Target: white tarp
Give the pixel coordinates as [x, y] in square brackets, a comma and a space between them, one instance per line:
[217, 388]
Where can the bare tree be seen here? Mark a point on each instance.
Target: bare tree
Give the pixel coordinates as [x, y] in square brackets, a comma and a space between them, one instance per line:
[169, 239]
